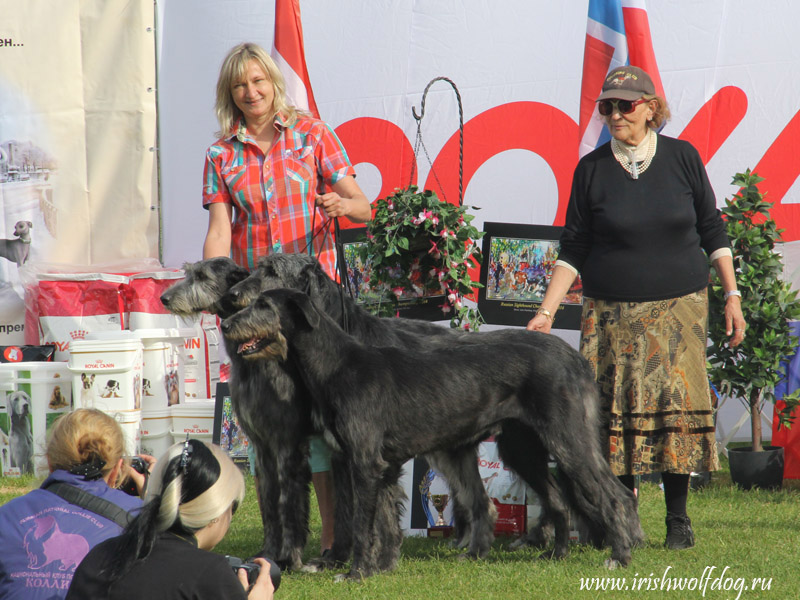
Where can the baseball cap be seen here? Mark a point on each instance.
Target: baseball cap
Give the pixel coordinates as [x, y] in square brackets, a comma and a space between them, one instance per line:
[627, 83]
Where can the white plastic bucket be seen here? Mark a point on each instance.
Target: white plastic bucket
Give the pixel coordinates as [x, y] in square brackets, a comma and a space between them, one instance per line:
[130, 420]
[156, 444]
[155, 422]
[180, 436]
[32, 396]
[163, 369]
[195, 418]
[107, 372]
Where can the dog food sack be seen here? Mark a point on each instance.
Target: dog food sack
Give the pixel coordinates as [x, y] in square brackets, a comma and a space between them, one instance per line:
[70, 306]
[202, 359]
[145, 310]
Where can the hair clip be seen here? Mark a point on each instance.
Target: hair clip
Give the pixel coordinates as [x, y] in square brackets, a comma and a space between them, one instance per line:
[90, 470]
[186, 455]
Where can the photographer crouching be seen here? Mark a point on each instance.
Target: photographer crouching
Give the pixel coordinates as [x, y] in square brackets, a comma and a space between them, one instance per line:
[165, 551]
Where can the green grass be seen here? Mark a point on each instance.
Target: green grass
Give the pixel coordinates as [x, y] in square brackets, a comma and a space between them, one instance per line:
[753, 533]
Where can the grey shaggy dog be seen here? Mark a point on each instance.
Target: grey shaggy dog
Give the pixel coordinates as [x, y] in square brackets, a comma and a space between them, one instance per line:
[474, 513]
[271, 404]
[273, 407]
[512, 379]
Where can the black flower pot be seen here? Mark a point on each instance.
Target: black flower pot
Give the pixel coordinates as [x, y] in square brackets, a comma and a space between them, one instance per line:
[757, 469]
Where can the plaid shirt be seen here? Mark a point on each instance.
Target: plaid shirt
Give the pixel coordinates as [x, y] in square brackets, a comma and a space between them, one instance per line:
[274, 195]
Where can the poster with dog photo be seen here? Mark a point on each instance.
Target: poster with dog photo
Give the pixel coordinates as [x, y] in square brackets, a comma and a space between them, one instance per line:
[27, 412]
[71, 190]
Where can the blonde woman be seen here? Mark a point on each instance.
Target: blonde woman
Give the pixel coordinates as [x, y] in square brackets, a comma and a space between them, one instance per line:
[165, 552]
[273, 182]
[43, 534]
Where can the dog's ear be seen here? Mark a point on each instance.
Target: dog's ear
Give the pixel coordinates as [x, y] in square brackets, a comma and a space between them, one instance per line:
[304, 305]
[235, 275]
[30, 225]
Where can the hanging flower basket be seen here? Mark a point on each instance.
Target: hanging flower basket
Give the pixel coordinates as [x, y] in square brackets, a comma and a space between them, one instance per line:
[419, 246]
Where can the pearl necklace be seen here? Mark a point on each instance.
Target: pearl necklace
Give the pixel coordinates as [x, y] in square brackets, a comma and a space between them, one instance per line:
[628, 159]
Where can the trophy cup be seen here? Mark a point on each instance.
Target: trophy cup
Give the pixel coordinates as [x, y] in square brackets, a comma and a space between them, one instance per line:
[439, 503]
[435, 493]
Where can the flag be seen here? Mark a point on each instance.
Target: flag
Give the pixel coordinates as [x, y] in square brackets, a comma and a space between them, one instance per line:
[289, 55]
[617, 34]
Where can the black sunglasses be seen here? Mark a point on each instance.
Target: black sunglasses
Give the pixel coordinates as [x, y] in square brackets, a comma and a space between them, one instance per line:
[625, 107]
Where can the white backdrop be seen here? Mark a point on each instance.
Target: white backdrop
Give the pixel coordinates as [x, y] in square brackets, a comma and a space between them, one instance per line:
[517, 64]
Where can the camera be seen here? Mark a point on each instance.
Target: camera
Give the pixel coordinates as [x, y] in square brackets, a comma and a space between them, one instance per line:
[140, 466]
[253, 570]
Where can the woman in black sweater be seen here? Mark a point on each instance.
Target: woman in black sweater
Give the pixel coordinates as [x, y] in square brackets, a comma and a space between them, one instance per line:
[642, 225]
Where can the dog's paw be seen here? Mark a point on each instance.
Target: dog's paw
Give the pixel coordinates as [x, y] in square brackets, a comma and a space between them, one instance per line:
[611, 564]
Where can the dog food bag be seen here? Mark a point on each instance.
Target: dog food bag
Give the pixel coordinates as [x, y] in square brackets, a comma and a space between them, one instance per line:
[144, 301]
[506, 490]
[32, 396]
[72, 305]
[202, 359]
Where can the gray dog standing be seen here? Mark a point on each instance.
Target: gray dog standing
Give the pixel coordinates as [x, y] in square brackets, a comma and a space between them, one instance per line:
[384, 405]
[17, 250]
[271, 405]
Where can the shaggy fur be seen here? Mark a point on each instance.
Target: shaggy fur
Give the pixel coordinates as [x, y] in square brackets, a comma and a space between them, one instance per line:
[384, 405]
[473, 511]
[272, 407]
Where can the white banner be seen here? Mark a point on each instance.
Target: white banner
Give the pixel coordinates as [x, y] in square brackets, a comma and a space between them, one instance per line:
[77, 138]
[731, 72]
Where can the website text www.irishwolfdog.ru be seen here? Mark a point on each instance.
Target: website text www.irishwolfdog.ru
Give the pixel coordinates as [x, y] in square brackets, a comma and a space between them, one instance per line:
[712, 580]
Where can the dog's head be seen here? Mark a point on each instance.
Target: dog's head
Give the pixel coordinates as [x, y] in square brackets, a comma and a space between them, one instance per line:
[87, 381]
[261, 329]
[204, 285]
[22, 228]
[279, 270]
[19, 404]
[112, 384]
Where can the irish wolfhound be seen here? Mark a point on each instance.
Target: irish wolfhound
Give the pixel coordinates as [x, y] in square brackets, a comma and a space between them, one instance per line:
[272, 407]
[474, 513]
[384, 405]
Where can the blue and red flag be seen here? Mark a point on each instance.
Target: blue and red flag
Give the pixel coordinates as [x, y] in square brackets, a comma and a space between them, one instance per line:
[617, 33]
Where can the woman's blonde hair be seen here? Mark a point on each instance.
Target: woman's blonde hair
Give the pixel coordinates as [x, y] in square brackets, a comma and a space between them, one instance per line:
[194, 496]
[192, 484]
[83, 436]
[661, 113]
[233, 70]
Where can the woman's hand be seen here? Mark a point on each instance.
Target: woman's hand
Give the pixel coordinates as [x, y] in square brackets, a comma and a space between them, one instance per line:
[333, 204]
[540, 323]
[735, 324]
[262, 588]
[140, 479]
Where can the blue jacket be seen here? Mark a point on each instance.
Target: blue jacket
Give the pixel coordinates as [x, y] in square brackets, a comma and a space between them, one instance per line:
[43, 537]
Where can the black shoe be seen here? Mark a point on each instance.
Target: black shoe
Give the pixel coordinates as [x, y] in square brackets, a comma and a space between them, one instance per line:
[679, 532]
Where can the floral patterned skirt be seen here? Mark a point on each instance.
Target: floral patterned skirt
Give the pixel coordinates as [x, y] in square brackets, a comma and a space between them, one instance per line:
[649, 359]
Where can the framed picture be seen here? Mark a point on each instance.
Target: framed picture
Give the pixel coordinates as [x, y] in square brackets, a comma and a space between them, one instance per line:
[227, 433]
[517, 264]
[358, 275]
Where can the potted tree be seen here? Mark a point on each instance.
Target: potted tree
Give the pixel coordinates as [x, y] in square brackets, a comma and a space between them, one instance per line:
[419, 245]
[751, 371]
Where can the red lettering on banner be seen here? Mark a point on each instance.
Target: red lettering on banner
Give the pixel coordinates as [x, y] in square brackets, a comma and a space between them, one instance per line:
[380, 143]
[192, 344]
[715, 121]
[780, 167]
[553, 135]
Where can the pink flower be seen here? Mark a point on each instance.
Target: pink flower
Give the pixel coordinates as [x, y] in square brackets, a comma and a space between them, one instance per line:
[445, 308]
[398, 291]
